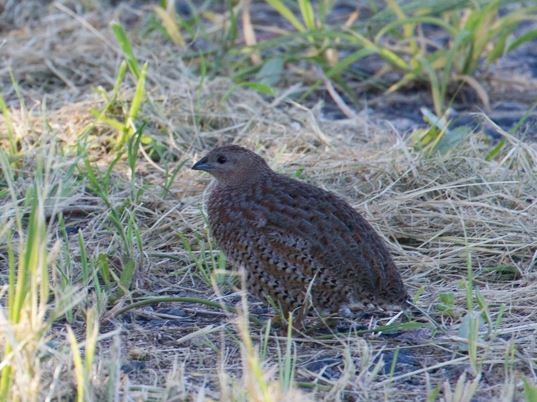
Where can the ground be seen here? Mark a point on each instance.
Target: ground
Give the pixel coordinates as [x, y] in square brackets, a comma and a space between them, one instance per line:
[126, 227]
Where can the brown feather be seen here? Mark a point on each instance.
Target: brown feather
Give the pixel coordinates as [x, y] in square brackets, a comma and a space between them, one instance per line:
[287, 233]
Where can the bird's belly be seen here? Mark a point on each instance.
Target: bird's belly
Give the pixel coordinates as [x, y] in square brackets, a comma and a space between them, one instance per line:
[288, 291]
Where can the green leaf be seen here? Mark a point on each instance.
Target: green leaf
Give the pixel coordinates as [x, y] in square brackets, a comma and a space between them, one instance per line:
[469, 329]
[452, 138]
[271, 72]
[146, 139]
[447, 299]
[530, 391]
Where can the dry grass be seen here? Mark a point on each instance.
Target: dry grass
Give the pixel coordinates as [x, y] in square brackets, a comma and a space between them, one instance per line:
[463, 231]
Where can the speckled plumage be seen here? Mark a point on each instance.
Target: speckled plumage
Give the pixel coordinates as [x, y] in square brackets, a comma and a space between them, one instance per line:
[292, 237]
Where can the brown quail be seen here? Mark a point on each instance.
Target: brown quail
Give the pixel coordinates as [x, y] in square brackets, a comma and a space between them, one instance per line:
[294, 239]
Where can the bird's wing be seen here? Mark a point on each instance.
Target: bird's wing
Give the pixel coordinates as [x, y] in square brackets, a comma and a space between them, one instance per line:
[340, 244]
[369, 252]
[293, 257]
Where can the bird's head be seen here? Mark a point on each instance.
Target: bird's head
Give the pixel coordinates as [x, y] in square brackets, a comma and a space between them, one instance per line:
[233, 165]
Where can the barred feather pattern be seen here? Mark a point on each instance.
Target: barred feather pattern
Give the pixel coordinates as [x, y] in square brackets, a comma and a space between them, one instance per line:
[291, 237]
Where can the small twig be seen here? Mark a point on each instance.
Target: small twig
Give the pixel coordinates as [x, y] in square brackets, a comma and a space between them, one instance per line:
[166, 299]
[425, 314]
[60, 75]
[249, 33]
[150, 161]
[338, 100]
[86, 25]
[420, 371]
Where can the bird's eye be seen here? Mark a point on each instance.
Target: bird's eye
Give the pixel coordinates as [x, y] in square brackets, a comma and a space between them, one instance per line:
[221, 159]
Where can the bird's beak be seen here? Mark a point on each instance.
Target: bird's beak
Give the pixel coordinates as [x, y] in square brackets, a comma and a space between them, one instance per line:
[202, 164]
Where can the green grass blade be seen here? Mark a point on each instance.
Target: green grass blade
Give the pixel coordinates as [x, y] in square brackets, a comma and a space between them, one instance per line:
[408, 27]
[496, 150]
[29, 262]
[120, 76]
[385, 53]
[127, 274]
[107, 120]
[79, 367]
[530, 391]
[92, 332]
[436, 88]
[346, 62]
[285, 12]
[169, 21]
[259, 87]
[12, 274]
[138, 97]
[10, 128]
[416, 20]
[524, 38]
[104, 268]
[84, 261]
[126, 47]
[307, 12]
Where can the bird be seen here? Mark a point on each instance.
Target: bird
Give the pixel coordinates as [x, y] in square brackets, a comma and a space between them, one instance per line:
[299, 245]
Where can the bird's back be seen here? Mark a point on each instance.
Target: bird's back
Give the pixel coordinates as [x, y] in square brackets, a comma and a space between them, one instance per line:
[291, 237]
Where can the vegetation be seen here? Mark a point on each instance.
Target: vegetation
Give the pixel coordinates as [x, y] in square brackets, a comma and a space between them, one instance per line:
[110, 286]
[447, 46]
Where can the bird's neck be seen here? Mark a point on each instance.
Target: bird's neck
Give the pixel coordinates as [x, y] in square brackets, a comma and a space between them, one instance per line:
[244, 182]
